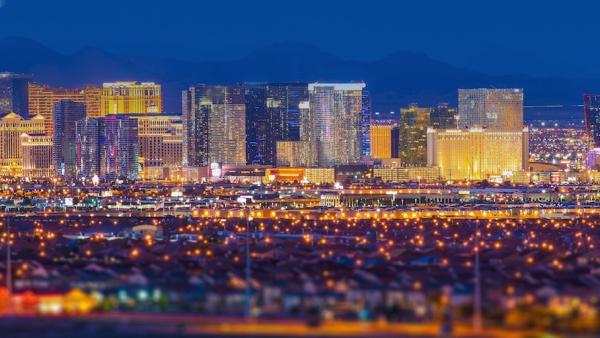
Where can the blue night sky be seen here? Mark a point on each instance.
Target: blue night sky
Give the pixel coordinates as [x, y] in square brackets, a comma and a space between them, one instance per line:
[532, 37]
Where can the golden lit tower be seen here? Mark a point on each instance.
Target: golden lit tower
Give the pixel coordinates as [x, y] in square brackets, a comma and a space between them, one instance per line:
[128, 97]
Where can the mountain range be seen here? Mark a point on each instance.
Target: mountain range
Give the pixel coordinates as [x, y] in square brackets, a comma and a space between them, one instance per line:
[394, 81]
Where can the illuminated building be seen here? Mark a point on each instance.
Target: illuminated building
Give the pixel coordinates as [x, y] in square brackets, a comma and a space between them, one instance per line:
[319, 175]
[13, 94]
[130, 97]
[272, 115]
[214, 125]
[42, 99]
[412, 174]
[496, 109]
[89, 143]
[336, 111]
[120, 149]
[37, 156]
[593, 159]
[591, 110]
[477, 153]
[365, 124]
[66, 113]
[412, 140]
[443, 117]
[12, 126]
[296, 154]
[300, 175]
[160, 140]
[384, 139]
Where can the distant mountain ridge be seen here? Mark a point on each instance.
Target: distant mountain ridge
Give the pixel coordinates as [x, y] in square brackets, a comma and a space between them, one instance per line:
[394, 81]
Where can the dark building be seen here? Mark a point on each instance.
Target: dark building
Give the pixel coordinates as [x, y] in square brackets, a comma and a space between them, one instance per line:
[120, 149]
[89, 143]
[14, 94]
[272, 114]
[195, 126]
[365, 123]
[66, 114]
[443, 117]
[591, 110]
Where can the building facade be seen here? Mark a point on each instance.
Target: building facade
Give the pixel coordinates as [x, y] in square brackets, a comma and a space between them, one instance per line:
[336, 112]
[477, 153]
[38, 161]
[443, 117]
[296, 154]
[66, 114]
[14, 94]
[42, 99]
[412, 140]
[384, 139]
[214, 125]
[89, 144]
[12, 126]
[491, 108]
[130, 97]
[591, 111]
[120, 151]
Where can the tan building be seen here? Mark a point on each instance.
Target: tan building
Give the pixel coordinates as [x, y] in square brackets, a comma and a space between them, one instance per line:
[296, 154]
[300, 175]
[476, 153]
[43, 97]
[11, 152]
[37, 156]
[412, 174]
[130, 97]
[160, 140]
[384, 139]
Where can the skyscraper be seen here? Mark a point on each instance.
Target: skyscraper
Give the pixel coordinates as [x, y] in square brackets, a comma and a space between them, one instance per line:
[365, 124]
[43, 97]
[591, 111]
[272, 115]
[130, 97]
[13, 94]
[384, 139]
[336, 111]
[497, 109]
[120, 150]
[214, 125]
[89, 144]
[443, 117]
[66, 113]
[413, 124]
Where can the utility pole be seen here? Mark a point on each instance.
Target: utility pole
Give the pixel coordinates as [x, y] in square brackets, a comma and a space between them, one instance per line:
[8, 259]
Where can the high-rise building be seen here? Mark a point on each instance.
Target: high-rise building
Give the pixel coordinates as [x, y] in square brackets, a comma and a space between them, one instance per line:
[37, 156]
[66, 114]
[120, 149]
[497, 109]
[272, 115]
[443, 117]
[258, 126]
[591, 112]
[336, 111]
[12, 126]
[477, 153]
[89, 144]
[13, 94]
[214, 120]
[365, 124]
[384, 139]
[130, 97]
[413, 124]
[42, 99]
[160, 138]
